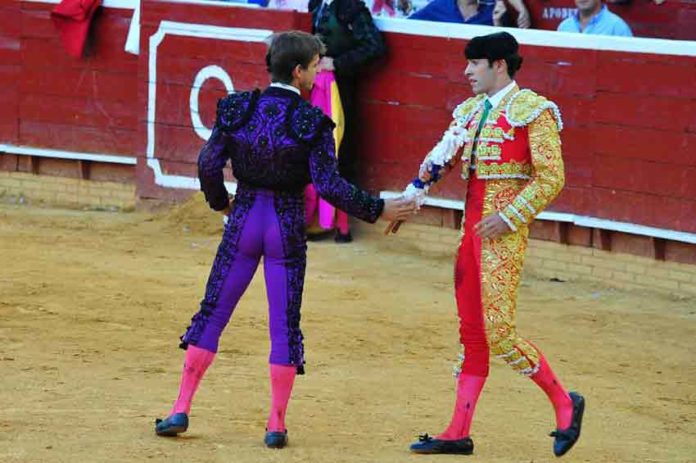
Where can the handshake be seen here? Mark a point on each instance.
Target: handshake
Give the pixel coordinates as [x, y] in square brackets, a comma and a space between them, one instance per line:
[397, 210]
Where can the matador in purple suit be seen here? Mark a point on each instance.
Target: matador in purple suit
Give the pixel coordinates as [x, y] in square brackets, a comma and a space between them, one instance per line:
[277, 143]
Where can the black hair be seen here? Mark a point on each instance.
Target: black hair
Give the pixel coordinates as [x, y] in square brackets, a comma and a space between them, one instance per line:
[494, 47]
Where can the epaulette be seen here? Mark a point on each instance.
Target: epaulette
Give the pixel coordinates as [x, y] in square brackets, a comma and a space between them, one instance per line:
[234, 110]
[307, 122]
[525, 106]
[466, 110]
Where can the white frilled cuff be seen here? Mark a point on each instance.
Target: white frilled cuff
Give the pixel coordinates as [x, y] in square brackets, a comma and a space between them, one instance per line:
[452, 140]
[419, 194]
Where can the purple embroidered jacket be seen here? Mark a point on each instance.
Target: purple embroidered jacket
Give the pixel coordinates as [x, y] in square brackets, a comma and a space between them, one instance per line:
[277, 141]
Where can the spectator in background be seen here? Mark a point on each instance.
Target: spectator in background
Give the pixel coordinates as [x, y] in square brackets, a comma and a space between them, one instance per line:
[593, 17]
[352, 41]
[299, 5]
[479, 12]
[383, 5]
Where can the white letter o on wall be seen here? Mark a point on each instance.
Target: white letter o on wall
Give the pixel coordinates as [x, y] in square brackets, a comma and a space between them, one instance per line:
[204, 74]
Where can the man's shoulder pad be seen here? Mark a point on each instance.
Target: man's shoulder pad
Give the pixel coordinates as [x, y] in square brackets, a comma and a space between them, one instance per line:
[307, 122]
[525, 106]
[234, 110]
[466, 110]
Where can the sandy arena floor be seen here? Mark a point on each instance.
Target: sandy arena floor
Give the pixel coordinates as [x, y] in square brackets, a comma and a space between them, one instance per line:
[92, 305]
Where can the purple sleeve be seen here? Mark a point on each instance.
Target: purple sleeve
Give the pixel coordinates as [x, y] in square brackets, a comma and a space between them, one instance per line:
[211, 162]
[334, 188]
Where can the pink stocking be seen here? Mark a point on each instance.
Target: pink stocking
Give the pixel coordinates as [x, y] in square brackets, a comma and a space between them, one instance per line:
[562, 403]
[196, 363]
[468, 390]
[342, 222]
[282, 379]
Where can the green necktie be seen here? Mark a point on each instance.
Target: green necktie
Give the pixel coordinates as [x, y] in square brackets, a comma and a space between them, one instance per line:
[487, 106]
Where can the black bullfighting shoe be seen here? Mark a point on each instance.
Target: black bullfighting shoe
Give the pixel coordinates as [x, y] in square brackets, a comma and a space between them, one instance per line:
[342, 239]
[564, 439]
[172, 425]
[276, 439]
[427, 444]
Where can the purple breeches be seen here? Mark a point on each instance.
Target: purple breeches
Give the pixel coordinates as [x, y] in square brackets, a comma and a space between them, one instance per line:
[262, 224]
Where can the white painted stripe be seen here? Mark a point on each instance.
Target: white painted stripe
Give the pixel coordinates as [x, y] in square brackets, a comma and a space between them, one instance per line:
[133, 37]
[230, 3]
[542, 38]
[181, 181]
[124, 4]
[624, 227]
[131, 4]
[51, 153]
[186, 30]
[579, 220]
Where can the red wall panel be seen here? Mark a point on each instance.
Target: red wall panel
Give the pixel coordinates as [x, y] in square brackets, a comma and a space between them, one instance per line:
[630, 119]
[86, 104]
[10, 60]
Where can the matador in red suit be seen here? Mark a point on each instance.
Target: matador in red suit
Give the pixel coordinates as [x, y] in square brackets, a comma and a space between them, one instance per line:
[508, 141]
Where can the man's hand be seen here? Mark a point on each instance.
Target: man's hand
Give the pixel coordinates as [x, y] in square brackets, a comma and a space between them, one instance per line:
[498, 12]
[491, 227]
[424, 173]
[326, 64]
[398, 209]
[524, 21]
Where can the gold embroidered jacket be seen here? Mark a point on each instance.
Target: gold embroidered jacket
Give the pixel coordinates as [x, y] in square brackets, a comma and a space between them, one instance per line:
[519, 145]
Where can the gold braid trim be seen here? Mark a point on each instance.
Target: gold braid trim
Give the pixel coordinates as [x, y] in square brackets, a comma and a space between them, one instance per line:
[547, 177]
[525, 106]
[466, 110]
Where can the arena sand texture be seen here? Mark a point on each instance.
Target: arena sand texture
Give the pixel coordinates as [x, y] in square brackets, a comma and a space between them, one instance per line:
[92, 305]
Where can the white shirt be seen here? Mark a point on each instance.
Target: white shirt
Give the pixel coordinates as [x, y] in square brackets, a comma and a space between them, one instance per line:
[286, 87]
[498, 97]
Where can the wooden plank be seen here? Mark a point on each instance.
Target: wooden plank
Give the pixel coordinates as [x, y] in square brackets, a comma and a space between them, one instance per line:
[660, 76]
[626, 174]
[644, 208]
[647, 144]
[226, 16]
[96, 85]
[8, 162]
[176, 143]
[173, 104]
[84, 168]
[408, 89]
[67, 137]
[244, 76]
[79, 112]
[9, 109]
[668, 113]
[601, 239]
[36, 52]
[9, 34]
[680, 252]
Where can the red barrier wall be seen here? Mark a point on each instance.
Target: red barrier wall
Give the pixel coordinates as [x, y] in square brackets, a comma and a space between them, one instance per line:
[630, 124]
[64, 103]
[630, 118]
[10, 67]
